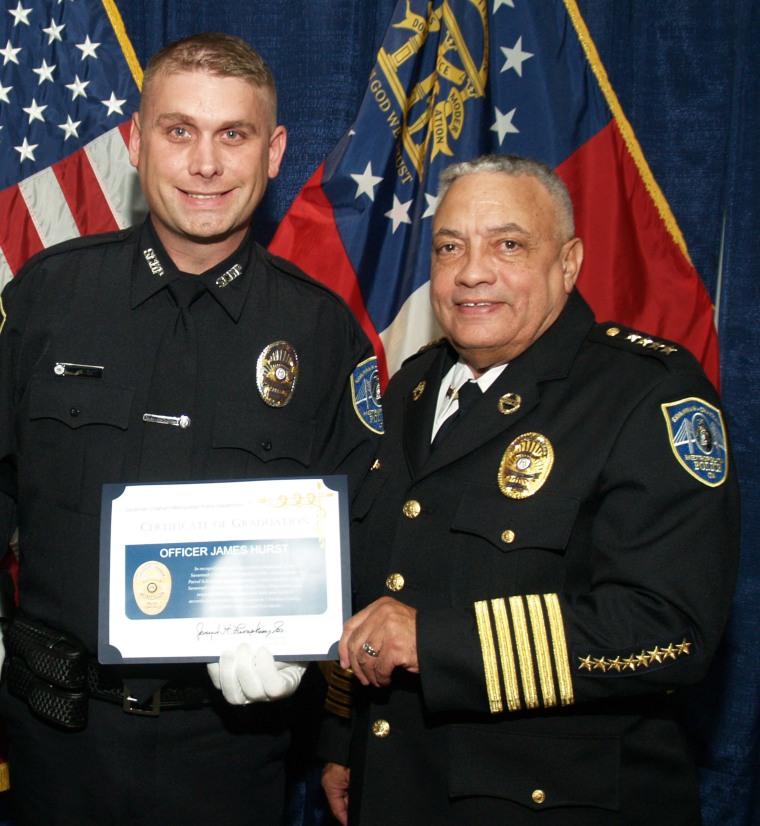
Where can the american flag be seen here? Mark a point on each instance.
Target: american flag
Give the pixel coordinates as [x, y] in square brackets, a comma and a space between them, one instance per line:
[68, 85]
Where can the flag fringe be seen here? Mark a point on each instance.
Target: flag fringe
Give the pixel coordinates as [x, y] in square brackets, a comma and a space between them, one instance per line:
[626, 130]
[126, 44]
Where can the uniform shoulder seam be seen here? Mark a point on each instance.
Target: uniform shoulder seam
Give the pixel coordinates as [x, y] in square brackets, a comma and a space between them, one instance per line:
[80, 242]
[437, 342]
[289, 268]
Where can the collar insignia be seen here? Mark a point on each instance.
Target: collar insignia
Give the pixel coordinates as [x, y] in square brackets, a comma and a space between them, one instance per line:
[153, 262]
[228, 277]
[509, 403]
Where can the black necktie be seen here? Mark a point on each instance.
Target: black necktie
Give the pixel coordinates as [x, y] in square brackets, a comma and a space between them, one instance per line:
[168, 432]
[185, 290]
[467, 395]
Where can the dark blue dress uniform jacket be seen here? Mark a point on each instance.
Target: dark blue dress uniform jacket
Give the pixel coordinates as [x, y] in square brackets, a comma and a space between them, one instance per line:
[555, 619]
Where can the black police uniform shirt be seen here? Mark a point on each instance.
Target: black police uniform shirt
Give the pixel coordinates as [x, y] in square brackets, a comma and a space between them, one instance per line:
[87, 330]
[571, 550]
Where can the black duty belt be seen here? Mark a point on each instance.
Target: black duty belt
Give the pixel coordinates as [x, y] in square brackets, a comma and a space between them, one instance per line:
[105, 685]
[55, 676]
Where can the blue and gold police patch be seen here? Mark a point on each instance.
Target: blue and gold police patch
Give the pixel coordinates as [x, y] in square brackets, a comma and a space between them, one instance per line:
[365, 392]
[698, 439]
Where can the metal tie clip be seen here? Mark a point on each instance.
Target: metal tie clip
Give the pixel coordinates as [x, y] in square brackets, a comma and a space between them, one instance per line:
[65, 368]
[175, 421]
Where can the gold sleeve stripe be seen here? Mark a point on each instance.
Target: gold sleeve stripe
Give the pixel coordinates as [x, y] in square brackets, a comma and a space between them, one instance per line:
[490, 663]
[339, 688]
[559, 643]
[508, 666]
[522, 640]
[336, 706]
[543, 653]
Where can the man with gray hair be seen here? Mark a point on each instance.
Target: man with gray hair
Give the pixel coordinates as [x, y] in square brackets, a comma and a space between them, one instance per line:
[544, 552]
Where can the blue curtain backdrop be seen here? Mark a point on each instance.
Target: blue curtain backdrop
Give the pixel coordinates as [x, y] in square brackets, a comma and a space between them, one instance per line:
[688, 77]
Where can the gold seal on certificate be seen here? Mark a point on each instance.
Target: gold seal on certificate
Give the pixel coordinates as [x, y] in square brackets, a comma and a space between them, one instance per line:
[152, 587]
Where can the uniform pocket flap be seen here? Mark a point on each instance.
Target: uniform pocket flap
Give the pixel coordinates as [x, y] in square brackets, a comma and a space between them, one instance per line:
[540, 772]
[77, 402]
[267, 434]
[514, 524]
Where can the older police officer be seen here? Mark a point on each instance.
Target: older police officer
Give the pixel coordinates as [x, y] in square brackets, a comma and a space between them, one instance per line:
[534, 585]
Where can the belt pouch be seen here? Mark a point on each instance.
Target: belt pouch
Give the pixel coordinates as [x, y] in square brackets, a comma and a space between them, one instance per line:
[47, 669]
[52, 656]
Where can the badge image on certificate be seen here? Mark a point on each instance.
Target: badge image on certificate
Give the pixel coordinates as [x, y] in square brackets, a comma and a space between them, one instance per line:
[191, 569]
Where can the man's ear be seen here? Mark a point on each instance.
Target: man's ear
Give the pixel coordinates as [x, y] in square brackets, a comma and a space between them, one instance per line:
[277, 144]
[572, 258]
[134, 139]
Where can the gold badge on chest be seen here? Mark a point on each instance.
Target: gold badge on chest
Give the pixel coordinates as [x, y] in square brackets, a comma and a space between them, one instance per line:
[525, 465]
[277, 373]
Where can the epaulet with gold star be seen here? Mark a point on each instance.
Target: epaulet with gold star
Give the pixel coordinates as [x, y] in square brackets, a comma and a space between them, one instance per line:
[620, 337]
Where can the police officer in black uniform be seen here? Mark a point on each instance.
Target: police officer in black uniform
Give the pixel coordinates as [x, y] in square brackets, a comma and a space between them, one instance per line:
[178, 350]
[536, 584]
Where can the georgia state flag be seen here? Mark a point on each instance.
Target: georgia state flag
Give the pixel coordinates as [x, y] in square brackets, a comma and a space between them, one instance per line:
[455, 79]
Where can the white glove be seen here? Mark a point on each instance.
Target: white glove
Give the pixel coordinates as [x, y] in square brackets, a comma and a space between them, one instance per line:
[247, 677]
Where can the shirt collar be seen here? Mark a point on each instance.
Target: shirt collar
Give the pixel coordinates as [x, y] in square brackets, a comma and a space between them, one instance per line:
[454, 379]
[228, 282]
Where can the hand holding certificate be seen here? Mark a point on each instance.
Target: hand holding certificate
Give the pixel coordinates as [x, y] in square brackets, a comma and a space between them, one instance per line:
[189, 570]
[246, 676]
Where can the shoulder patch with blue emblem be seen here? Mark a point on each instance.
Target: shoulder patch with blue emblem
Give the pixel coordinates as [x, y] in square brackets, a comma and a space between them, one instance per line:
[698, 438]
[366, 396]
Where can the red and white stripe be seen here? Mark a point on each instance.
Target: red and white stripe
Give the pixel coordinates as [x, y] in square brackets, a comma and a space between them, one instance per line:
[95, 189]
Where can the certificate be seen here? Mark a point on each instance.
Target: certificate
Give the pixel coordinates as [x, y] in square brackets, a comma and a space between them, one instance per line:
[189, 570]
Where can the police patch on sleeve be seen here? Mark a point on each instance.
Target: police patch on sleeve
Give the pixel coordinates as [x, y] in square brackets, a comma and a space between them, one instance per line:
[698, 439]
[365, 393]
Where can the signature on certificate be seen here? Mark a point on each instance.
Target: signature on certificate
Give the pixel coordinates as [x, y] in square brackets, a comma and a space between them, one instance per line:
[239, 629]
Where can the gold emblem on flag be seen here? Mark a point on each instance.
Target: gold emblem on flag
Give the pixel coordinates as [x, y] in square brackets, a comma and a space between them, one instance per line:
[277, 373]
[525, 466]
[432, 115]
